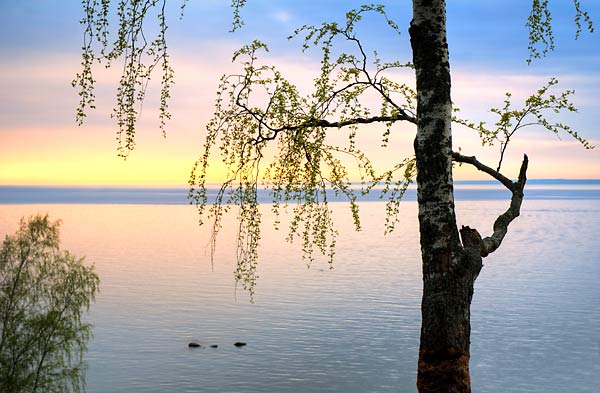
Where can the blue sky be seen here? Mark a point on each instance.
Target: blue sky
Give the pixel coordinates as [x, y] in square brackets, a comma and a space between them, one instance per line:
[40, 42]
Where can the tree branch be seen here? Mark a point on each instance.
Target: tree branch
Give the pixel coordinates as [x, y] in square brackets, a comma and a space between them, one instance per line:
[484, 168]
[336, 124]
[491, 243]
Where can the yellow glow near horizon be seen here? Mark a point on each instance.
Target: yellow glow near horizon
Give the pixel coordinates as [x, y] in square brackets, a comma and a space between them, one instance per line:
[88, 157]
[71, 155]
[103, 170]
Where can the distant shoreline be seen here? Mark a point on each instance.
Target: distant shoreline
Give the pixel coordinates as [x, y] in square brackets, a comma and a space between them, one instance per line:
[470, 190]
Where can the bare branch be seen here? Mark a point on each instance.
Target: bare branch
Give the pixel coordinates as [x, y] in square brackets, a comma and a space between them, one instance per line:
[491, 243]
[484, 168]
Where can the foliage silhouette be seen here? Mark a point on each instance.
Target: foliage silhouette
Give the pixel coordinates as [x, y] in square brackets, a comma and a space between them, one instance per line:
[43, 294]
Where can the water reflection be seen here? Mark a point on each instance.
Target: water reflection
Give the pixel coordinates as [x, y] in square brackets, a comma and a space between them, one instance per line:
[351, 329]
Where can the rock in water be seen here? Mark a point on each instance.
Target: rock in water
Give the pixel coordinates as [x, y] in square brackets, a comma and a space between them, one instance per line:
[194, 345]
[239, 344]
[214, 346]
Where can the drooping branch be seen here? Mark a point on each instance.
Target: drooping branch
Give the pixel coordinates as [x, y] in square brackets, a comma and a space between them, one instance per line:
[333, 124]
[541, 34]
[339, 88]
[491, 243]
[141, 58]
[260, 109]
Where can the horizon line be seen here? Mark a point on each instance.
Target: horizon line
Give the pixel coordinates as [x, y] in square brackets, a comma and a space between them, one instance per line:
[218, 184]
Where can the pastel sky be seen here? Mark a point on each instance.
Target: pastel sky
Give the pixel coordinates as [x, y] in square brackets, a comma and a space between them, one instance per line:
[40, 41]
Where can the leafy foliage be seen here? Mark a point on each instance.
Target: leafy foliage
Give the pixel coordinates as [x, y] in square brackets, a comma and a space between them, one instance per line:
[43, 292]
[539, 23]
[533, 113]
[139, 57]
[271, 135]
[236, 6]
[260, 106]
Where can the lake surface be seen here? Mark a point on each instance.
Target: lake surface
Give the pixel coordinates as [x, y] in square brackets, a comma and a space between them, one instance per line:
[353, 328]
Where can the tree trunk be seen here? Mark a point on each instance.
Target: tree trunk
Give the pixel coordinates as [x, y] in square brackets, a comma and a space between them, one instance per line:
[449, 271]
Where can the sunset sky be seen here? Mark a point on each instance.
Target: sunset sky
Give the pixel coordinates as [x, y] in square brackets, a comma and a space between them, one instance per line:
[40, 41]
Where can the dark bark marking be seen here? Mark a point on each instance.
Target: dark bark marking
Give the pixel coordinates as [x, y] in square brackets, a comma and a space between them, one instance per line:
[446, 375]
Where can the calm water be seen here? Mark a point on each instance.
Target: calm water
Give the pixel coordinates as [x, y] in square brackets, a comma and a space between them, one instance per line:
[355, 328]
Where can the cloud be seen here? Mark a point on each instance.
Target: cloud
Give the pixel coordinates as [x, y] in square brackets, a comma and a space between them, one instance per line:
[40, 140]
[282, 16]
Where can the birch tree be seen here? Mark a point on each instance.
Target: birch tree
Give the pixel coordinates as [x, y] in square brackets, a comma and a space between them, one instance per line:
[259, 107]
[44, 292]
